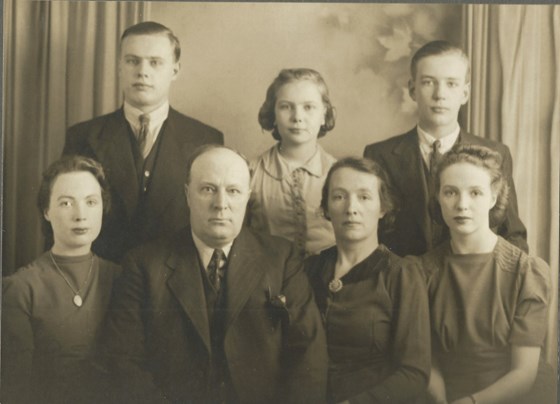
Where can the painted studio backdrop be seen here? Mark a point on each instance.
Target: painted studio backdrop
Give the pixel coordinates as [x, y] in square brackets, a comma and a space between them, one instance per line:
[60, 68]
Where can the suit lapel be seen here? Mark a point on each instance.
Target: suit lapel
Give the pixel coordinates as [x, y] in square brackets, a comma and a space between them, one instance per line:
[246, 267]
[412, 181]
[170, 170]
[186, 284]
[112, 148]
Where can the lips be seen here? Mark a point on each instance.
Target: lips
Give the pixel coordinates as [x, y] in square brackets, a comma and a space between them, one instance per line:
[296, 130]
[80, 230]
[439, 110]
[461, 219]
[141, 86]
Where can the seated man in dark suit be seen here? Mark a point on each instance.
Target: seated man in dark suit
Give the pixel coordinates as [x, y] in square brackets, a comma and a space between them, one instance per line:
[440, 86]
[144, 145]
[219, 314]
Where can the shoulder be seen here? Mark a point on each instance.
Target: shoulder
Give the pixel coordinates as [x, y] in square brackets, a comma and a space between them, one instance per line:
[314, 263]
[257, 163]
[96, 123]
[390, 143]
[109, 267]
[510, 258]
[273, 247]
[402, 269]
[501, 148]
[191, 124]
[432, 262]
[28, 277]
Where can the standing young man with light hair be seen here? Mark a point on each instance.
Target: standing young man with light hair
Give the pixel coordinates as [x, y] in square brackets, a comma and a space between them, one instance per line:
[144, 145]
[439, 85]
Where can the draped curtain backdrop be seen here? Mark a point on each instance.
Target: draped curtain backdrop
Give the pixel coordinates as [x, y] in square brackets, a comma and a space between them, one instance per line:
[515, 60]
[60, 67]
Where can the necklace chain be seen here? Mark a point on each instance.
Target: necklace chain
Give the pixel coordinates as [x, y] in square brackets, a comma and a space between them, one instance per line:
[76, 293]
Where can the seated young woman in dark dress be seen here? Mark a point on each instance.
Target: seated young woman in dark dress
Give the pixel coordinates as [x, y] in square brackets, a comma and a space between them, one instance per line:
[373, 302]
[488, 299]
[53, 308]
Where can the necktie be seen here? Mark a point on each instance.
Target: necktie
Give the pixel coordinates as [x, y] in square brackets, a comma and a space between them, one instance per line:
[216, 268]
[298, 203]
[435, 157]
[143, 133]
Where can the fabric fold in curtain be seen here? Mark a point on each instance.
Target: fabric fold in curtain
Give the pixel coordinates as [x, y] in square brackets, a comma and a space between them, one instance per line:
[60, 68]
[515, 60]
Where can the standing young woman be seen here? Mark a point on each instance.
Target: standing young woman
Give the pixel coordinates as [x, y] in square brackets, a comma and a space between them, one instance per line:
[287, 179]
[373, 302]
[488, 299]
[53, 308]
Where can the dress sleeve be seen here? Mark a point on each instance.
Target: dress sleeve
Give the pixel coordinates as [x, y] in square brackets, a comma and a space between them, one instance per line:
[531, 313]
[17, 341]
[411, 339]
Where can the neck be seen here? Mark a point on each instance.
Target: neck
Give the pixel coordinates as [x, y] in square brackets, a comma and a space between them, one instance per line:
[439, 132]
[70, 252]
[476, 243]
[352, 253]
[300, 153]
[146, 109]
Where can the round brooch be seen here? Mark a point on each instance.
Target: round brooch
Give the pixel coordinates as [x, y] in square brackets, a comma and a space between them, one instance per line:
[335, 285]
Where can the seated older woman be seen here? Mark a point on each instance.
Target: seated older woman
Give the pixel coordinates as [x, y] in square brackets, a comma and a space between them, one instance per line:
[373, 302]
[488, 299]
[53, 308]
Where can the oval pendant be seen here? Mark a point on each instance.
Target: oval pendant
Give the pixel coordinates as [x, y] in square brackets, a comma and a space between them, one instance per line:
[78, 300]
[335, 285]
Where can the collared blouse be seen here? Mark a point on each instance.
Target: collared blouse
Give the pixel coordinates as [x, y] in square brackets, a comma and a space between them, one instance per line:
[286, 200]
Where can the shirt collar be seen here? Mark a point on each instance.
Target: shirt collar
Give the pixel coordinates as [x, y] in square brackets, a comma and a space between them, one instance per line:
[447, 142]
[205, 252]
[157, 116]
[276, 166]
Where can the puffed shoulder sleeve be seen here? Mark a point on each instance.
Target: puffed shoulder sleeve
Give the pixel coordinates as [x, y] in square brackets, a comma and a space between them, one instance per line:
[530, 318]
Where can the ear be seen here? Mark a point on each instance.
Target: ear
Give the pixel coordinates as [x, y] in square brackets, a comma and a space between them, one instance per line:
[187, 194]
[494, 199]
[46, 215]
[411, 89]
[466, 93]
[176, 70]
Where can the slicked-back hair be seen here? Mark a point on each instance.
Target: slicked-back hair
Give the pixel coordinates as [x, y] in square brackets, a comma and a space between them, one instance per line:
[199, 151]
[68, 164]
[435, 48]
[368, 166]
[267, 117]
[154, 28]
[482, 157]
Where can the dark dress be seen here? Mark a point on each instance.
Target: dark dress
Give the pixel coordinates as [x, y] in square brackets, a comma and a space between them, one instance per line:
[48, 343]
[481, 305]
[377, 328]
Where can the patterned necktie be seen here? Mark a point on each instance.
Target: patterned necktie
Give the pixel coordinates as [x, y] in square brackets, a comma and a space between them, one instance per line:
[435, 156]
[298, 203]
[216, 268]
[143, 133]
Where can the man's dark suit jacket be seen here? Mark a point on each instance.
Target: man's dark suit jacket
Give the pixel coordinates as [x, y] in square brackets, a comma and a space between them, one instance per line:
[164, 211]
[401, 158]
[158, 334]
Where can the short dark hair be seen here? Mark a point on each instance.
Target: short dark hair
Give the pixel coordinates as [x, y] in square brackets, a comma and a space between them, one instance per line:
[199, 151]
[435, 48]
[485, 158]
[154, 28]
[368, 166]
[69, 164]
[267, 117]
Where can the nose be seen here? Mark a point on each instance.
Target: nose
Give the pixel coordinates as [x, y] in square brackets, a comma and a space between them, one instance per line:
[439, 91]
[79, 212]
[142, 68]
[297, 114]
[351, 205]
[220, 200]
[462, 202]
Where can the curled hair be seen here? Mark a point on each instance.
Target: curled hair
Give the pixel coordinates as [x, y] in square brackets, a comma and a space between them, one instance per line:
[435, 48]
[482, 157]
[69, 164]
[154, 28]
[364, 165]
[267, 117]
[199, 151]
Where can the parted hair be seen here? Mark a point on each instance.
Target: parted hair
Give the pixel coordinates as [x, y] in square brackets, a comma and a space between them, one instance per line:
[485, 158]
[267, 118]
[154, 28]
[368, 166]
[434, 48]
[65, 165]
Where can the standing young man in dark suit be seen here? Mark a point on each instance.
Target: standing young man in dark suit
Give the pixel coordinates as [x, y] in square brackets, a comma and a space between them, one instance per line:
[440, 86]
[219, 314]
[144, 145]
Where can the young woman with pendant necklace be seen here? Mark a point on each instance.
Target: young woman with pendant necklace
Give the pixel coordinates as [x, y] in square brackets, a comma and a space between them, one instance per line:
[54, 308]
